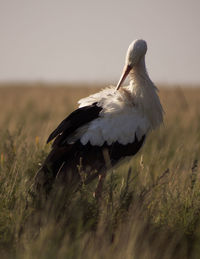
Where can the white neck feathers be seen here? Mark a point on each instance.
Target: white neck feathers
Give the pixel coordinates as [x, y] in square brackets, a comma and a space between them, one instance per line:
[145, 94]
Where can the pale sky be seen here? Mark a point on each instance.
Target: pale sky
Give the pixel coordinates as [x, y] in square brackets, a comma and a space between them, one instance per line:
[86, 40]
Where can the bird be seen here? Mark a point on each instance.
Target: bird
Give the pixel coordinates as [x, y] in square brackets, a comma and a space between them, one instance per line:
[107, 127]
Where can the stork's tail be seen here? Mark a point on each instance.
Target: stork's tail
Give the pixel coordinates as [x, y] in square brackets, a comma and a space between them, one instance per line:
[55, 171]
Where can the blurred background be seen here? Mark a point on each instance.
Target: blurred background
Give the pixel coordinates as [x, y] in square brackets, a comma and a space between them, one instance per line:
[86, 41]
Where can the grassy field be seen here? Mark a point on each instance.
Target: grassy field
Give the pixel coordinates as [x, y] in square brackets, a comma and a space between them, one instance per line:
[150, 207]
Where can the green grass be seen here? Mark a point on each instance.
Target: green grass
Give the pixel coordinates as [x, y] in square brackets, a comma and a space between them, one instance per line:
[150, 206]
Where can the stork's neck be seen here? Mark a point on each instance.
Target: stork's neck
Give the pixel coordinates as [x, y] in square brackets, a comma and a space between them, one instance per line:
[145, 95]
[139, 75]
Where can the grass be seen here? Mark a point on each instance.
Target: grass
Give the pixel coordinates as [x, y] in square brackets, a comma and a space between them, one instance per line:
[150, 207]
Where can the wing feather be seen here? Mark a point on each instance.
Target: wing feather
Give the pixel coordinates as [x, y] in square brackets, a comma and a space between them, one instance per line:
[75, 120]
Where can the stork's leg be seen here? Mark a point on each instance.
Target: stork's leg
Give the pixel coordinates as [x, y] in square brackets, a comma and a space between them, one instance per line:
[98, 192]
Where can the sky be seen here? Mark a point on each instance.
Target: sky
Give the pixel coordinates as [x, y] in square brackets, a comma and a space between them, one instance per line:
[86, 40]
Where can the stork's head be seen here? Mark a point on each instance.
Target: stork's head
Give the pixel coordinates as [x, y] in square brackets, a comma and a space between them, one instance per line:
[136, 51]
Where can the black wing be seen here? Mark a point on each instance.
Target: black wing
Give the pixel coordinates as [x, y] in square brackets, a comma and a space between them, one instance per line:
[66, 160]
[75, 120]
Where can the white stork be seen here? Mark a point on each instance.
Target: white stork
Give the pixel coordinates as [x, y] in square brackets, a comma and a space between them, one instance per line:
[116, 119]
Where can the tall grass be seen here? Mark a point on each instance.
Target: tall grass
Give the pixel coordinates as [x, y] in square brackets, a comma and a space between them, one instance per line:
[150, 205]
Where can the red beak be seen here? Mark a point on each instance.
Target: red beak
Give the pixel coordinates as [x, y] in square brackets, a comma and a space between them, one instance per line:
[125, 73]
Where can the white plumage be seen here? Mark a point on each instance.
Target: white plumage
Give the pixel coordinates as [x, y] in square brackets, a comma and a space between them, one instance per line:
[119, 119]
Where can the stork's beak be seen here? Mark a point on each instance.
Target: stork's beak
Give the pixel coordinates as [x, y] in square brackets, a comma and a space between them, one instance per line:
[125, 72]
